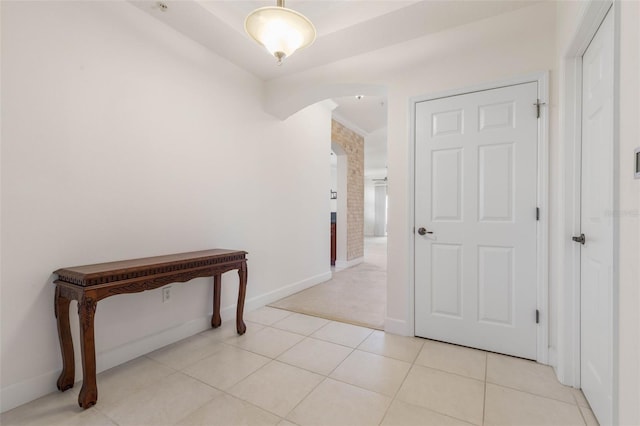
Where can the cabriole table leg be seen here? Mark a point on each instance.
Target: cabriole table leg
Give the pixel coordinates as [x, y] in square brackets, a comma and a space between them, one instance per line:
[242, 289]
[61, 309]
[89, 391]
[215, 319]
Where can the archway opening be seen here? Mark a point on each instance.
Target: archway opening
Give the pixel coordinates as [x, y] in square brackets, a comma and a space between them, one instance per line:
[357, 291]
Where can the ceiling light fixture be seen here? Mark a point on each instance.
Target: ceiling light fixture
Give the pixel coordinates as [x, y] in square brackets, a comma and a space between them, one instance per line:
[280, 30]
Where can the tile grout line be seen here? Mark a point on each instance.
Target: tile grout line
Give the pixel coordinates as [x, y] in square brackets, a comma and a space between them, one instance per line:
[341, 362]
[327, 376]
[338, 322]
[198, 407]
[332, 319]
[304, 399]
[226, 391]
[449, 372]
[271, 360]
[575, 398]
[415, 358]
[232, 385]
[404, 379]
[174, 371]
[250, 402]
[295, 344]
[188, 365]
[531, 393]
[262, 354]
[296, 366]
[442, 371]
[106, 415]
[413, 363]
[346, 346]
[152, 384]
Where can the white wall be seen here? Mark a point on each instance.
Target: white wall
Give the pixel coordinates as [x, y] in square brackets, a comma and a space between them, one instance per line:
[375, 154]
[375, 167]
[123, 139]
[369, 207]
[381, 211]
[375, 208]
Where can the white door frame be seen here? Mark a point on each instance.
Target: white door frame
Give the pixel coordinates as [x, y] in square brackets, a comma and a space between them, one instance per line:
[341, 209]
[568, 366]
[542, 78]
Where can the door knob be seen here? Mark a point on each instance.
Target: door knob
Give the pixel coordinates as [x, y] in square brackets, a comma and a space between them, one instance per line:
[581, 239]
[423, 231]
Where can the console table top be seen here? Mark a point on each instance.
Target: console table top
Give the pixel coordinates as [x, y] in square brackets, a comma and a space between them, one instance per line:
[100, 273]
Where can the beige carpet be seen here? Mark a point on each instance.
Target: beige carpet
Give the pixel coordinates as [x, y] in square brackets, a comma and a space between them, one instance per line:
[356, 295]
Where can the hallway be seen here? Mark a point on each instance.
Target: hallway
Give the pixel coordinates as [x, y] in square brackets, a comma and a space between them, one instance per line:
[355, 295]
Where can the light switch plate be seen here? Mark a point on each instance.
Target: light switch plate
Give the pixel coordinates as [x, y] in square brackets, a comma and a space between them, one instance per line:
[637, 163]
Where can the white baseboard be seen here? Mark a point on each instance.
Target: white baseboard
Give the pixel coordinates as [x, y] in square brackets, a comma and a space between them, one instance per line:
[396, 326]
[35, 387]
[147, 344]
[264, 299]
[343, 264]
[20, 393]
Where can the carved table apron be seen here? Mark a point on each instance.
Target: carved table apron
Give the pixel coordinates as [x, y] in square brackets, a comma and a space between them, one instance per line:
[91, 283]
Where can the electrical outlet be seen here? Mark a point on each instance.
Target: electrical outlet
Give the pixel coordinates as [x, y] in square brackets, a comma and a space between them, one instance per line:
[166, 294]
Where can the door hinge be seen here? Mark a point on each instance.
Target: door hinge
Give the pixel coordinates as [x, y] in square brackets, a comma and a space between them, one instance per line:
[537, 316]
[537, 213]
[538, 104]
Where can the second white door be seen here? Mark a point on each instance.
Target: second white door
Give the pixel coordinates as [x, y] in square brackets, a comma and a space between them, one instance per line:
[475, 219]
[597, 205]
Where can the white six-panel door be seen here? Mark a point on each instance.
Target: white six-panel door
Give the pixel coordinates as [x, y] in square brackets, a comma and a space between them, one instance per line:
[476, 191]
[596, 256]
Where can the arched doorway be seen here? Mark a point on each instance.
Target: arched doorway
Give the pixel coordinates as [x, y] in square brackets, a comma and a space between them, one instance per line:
[357, 292]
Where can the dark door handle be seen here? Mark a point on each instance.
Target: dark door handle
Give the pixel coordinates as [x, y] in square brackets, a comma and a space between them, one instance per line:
[423, 231]
[581, 239]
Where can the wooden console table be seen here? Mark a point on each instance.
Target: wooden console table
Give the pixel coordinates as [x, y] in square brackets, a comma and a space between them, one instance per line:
[91, 283]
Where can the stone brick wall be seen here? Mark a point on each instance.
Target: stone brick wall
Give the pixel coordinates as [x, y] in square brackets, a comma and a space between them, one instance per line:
[353, 145]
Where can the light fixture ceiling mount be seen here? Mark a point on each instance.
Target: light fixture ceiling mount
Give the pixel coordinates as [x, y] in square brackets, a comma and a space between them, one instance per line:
[280, 30]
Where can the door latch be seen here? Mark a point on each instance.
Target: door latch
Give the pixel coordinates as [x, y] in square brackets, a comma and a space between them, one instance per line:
[423, 231]
[581, 239]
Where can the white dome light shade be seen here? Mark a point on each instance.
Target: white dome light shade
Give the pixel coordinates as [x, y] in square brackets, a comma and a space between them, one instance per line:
[280, 30]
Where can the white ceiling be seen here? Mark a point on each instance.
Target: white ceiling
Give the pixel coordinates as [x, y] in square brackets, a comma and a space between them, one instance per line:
[368, 113]
[328, 16]
[345, 28]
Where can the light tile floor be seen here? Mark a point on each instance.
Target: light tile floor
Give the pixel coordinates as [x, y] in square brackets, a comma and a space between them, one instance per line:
[292, 369]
